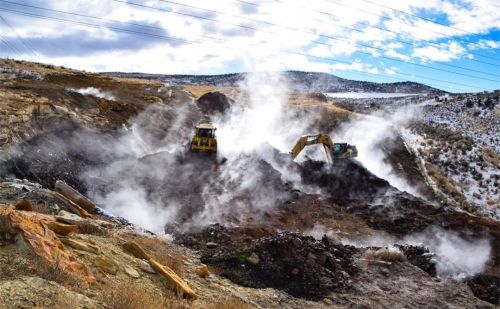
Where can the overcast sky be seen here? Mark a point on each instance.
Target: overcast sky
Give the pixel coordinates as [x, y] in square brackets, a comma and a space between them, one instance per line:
[356, 39]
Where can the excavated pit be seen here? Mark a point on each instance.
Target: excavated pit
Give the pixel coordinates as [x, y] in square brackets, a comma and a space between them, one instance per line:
[66, 154]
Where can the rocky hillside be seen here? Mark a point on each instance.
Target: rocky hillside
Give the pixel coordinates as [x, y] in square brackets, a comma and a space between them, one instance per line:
[102, 207]
[298, 82]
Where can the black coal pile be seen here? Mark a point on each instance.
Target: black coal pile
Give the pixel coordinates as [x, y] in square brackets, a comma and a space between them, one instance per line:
[486, 287]
[344, 180]
[62, 154]
[214, 102]
[297, 264]
[420, 257]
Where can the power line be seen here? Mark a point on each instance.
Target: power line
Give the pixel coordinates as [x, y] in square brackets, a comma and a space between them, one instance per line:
[335, 2]
[417, 16]
[376, 27]
[19, 37]
[314, 42]
[312, 33]
[170, 38]
[11, 46]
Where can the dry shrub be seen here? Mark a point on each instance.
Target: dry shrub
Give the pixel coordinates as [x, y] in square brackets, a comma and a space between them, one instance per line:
[15, 265]
[231, 303]
[41, 208]
[131, 295]
[55, 272]
[64, 301]
[162, 252]
[392, 255]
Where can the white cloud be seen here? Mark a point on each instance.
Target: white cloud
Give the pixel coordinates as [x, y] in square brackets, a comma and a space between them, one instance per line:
[356, 66]
[484, 44]
[445, 52]
[236, 46]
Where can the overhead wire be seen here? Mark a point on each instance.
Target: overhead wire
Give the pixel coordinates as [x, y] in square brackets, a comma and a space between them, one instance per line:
[408, 43]
[200, 42]
[336, 2]
[314, 42]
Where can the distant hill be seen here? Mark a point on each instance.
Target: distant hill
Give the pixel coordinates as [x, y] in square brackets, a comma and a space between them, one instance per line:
[299, 81]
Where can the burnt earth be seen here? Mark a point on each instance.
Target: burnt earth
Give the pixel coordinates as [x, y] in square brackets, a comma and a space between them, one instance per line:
[297, 264]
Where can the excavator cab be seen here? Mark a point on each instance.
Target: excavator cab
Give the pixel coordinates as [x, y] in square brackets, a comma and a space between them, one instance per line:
[204, 139]
[333, 151]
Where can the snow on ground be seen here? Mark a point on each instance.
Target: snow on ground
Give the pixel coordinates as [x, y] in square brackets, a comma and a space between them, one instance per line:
[463, 143]
[18, 73]
[367, 95]
[479, 123]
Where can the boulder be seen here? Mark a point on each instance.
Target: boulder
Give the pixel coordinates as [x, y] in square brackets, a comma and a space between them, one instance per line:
[84, 225]
[145, 267]
[253, 258]
[73, 206]
[78, 245]
[24, 204]
[106, 265]
[131, 272]
[61, 228]
[211, 245]
[202, 271]
[75, 196]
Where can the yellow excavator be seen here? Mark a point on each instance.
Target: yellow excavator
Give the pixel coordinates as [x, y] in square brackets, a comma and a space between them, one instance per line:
[204, 139]
[334, 151]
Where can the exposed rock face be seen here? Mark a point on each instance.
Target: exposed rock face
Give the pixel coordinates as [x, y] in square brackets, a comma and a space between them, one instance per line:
[30, 292]
[213, 102]
[31, 228]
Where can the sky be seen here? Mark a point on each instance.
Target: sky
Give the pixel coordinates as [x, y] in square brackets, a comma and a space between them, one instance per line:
[451, 45]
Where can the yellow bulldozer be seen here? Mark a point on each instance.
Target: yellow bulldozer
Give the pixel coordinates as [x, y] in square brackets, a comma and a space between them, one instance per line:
[334, 151]
[204, 140]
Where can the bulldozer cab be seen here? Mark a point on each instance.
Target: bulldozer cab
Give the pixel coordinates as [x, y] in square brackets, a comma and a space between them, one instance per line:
[204, 139]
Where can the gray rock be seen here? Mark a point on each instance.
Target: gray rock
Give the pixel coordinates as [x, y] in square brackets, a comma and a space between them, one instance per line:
[145, 267]
[211, 245]
[253, 259]
[132, 272]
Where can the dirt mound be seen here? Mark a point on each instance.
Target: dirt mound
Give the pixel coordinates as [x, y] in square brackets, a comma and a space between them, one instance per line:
[297, 264]
[420, 257]
[62, 154]
[486, 287]
[345, 180]
[214, 102]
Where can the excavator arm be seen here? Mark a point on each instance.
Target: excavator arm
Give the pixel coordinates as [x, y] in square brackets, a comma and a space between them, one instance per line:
[333, 151]
[312, 140]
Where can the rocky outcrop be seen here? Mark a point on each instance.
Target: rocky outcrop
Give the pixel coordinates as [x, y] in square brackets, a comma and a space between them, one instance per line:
[31, 229]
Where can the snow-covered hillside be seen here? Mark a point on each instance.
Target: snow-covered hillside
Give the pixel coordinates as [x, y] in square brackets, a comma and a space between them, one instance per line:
[457, 140]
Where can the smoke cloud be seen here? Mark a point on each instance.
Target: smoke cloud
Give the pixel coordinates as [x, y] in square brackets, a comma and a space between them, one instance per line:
[455, 256]
[369, 133]
[95, 92]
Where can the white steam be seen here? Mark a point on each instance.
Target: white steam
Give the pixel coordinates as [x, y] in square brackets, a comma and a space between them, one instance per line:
[455, 256]
[95, 92]
[134, 205]
[368, 133]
